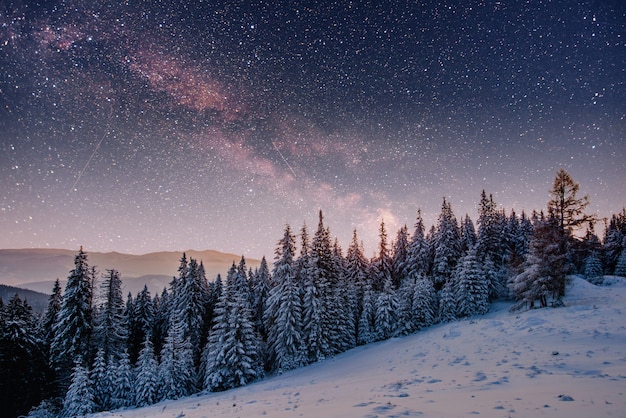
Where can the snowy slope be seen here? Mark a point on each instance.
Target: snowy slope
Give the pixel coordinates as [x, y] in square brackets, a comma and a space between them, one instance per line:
[565, 362]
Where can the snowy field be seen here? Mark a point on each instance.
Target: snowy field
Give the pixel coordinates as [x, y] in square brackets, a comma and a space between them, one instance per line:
[566, 362]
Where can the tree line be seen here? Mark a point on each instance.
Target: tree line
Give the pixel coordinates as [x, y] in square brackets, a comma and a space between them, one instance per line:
[93, 350]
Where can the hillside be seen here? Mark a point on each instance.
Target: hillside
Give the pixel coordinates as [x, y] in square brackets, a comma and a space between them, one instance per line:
[37, 269]
[38, 301]
[565, 362]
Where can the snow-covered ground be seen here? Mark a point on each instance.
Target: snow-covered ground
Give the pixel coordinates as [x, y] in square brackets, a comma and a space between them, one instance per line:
[565, 362]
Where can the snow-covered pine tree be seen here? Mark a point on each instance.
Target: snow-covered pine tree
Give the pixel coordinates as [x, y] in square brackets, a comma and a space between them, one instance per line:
[231, 357]
[367, 320]
[161, 320]
[382, 264]
[78, 400]
[620, 267]
[55, 301]
[124, 385]
[424, 303]
[399, 257]
[593, 268]
[614, 242]
[260, 293]
[387, 311]
[24, 372]
[447, 245]
[313, 331]
[74, 325]
[447, 302]
[325, 279]
[141, 322]
[176, 372]
[283, 311]
[488, 238]
[418, 260]
[472, 289]
[110, 333]
[102, 387]
[356, 280]
[345, 297]
[468, 235]
[189, 309]
[146, 372]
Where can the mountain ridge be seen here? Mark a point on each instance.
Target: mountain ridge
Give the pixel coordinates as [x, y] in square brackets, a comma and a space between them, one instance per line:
[38, 268]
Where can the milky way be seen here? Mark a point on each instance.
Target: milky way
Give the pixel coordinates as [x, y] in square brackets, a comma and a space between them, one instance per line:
[140, 126]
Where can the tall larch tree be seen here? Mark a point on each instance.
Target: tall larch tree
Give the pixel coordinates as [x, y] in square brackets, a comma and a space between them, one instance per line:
[567, 207]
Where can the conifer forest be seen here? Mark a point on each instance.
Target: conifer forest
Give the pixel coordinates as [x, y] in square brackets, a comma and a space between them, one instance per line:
[96, 349]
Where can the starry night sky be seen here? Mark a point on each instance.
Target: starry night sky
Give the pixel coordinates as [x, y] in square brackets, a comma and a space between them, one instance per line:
[139, 126]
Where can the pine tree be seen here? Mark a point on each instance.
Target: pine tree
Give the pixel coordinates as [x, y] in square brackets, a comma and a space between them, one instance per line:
[417, 262]
[620, 267]
[367, 320]
[424, 303]
[468, 235]
[23, 369]
[447, 245]
[141, 322]
[260, 293]
[189, 306]
[447, 303]
[324, 279]
[387, 310]
[356, 281]
[78, 400]
[312, 314]
[593, 268]
[614, 242]
[382, 264]
[101, 384]
[400, 255]
[124, 385]
[231, 357]
[110, 332]
[74, 326]
[345, 299]
[176, 372]
[161, 320]
[50, 316]
[488, 238]
[283, 311]
[146, 371]
[472, 288]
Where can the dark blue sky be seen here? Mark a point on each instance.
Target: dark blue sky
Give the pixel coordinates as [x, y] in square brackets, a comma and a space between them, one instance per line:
[134, 126]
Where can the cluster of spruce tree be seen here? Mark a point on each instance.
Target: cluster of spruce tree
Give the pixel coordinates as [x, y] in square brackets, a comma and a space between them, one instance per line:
[92, 350]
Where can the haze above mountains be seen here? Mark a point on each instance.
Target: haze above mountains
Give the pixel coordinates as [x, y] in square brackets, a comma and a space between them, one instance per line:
[38, 268]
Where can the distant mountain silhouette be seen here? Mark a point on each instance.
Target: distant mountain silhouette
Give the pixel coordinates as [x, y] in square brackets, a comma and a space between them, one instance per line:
[38, 268]
[38, 301]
